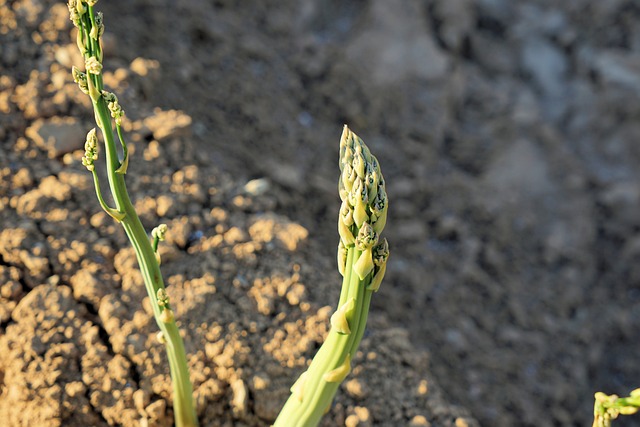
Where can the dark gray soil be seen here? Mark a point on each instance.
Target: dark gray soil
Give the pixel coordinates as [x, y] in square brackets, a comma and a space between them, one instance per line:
[508, 132]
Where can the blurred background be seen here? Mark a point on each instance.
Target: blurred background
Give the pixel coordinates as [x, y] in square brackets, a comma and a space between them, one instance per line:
[507, 131]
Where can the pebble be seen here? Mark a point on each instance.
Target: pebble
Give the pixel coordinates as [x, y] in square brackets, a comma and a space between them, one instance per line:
[57, 135]
[257, 187]
[419, 421]
[168, 124]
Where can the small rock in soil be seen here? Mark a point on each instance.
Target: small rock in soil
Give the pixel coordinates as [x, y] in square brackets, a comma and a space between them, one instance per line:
[58, 135]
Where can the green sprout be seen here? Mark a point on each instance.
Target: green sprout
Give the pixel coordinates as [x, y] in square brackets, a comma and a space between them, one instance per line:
[607, 408]
[362, 259]
[90, 28]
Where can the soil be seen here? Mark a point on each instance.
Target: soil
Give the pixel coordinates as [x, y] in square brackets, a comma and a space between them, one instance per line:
[507, 132]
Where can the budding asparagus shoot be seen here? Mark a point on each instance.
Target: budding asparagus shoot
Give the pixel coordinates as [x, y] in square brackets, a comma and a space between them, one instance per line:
[362, 258]
[108, 112]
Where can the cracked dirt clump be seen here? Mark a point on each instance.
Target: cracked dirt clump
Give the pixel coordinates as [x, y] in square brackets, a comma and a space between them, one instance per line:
[24, 246]
[60, 375]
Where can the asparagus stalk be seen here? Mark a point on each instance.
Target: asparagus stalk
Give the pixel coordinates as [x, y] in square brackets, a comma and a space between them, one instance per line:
[362, 259]
[106, 107]
[607, 408]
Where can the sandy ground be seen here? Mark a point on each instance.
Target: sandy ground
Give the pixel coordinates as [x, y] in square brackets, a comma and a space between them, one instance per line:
[508, 134]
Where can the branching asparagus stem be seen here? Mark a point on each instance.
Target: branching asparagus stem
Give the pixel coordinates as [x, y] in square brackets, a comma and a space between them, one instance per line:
[362, 262]
[607, 408]
[90, 156]
[106, 107]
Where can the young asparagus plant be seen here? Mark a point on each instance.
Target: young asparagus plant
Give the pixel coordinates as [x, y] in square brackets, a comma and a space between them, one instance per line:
[607, 408]
[106, 108]
[362, 259]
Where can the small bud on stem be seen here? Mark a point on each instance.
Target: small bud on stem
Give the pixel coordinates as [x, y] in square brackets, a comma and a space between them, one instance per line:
[90, 150]
[340, 373]
[159, 232]
[93, 66]
[81, 79]
[339, 319]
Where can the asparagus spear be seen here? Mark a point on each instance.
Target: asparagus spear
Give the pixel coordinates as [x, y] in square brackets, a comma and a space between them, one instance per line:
[362, 259]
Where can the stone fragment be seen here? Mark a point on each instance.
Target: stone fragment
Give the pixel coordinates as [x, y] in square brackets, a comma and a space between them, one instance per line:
[168, 124]
[268, 228]
[57, 135]
[419, 421]
[87, 287]
[145, 67]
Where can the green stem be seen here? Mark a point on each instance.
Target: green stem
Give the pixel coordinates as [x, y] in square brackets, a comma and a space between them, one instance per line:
[114, 213]
[154, 244]
[184, 411]
[317, 392]
[95, 44]
[125, 155]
